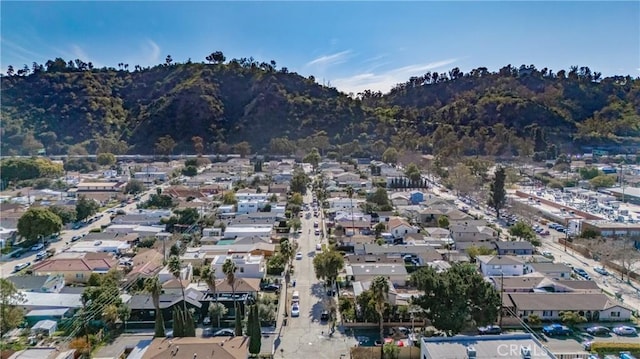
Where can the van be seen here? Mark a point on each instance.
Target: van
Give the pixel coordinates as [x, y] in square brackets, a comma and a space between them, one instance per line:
[295, 297]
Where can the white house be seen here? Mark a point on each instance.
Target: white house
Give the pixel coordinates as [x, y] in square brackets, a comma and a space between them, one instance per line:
[108, 246]
[249, 266]
[398, 227]
[247, 196]
[250, 206]
[248, 231]
[395, 273]
[496, 266]
[343, 203]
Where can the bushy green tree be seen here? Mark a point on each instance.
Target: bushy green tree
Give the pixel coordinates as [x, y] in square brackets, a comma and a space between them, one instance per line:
[106, 159]
[497, 192]
[11, 314]
[85, 208]
[38, 222]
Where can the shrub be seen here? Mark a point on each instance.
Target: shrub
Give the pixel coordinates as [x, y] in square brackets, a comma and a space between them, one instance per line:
[615, 347]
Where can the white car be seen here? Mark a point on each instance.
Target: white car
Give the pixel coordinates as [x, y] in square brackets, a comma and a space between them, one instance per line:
[38, 247]
[625, 330]
[295, 310]
[299, 256]
[318, 247]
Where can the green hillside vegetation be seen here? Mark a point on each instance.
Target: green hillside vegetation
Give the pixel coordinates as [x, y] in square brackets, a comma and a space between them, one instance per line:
[247, 106]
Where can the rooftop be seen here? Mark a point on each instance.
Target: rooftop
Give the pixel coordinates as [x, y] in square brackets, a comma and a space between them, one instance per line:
[200, 348]
[488, 346]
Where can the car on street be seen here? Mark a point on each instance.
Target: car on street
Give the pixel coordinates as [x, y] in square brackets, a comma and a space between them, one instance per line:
[315, 224]
[295, 310]
[75, 238]
[324, 316]
[556, 330]
[598, 330]
[625, 330]
[547, 254]
[21, 266]
[318, 247]
[299, 256]
[18, 253]
[37, 247]
[226, 332]
[490, 329]
[601, 270]
[41, 255]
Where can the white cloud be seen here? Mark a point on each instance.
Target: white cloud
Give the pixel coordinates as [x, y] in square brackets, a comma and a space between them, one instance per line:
[329, 59]
[384, 81]
[153, 51]
[78, 53]
[22, 52]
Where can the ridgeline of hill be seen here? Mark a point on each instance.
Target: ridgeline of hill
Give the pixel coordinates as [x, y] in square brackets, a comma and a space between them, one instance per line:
[72, 108]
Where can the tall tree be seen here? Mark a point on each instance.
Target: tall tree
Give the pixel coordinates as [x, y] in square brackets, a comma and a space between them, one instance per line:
[198, 144]
[152, 286]
[390, 155]
[229, 269]
[328, 265]
[313, 158]
[85, 208]
[217, 311]
[380, 291]
[175, 267]
[243, 149]
[165, 145]
[38, 222]
[497, 192]
[254, 331]
[11, 314]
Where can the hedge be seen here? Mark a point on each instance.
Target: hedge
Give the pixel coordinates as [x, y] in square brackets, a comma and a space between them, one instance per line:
[615, 348]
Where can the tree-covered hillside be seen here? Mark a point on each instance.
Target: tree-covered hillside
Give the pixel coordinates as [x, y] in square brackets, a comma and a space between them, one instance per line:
[71, 107]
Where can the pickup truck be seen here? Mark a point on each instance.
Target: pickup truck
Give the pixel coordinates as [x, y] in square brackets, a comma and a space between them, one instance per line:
[556, 330]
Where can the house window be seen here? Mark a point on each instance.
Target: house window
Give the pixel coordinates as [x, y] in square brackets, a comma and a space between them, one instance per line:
[79, 275]
[241, 269]
[547, 313]
[615, 314]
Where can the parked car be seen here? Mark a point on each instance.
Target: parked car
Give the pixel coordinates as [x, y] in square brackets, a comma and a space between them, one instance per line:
[206, 320]
[491, 329]
[75, 238]
[299, 256]
[270, 287]
[295, 310]
[556, 330]
[601, 270]
[21, 266]
[625, 330]
[318, 247]
[226, 332]
[598, 330]
[37, 247]
[324, 316]
[41, 255]
[18, 253]
[547, 254]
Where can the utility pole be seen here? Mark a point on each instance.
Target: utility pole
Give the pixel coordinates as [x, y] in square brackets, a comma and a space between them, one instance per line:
[501, 297]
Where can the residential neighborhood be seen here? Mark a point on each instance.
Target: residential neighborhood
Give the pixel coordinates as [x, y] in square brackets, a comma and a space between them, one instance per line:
[310, 249]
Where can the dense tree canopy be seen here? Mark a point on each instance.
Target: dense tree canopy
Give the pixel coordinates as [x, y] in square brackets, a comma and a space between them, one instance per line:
[455, 297]
[513, 111]
[38, 222]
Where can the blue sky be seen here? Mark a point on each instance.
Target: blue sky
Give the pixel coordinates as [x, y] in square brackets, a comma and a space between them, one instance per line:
[351, 45]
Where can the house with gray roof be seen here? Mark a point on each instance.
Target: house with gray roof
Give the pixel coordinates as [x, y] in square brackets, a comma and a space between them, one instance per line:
[551, 270]
[491, 266]
[395, 273]
[504, 248]
[38, 283]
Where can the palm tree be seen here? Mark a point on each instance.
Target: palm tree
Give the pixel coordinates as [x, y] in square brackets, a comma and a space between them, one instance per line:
[229, 269]
[208, 274]
[217, 310]
[350, 194]
[175, 266]
[380, 291]
[153, 287]
[110, 315]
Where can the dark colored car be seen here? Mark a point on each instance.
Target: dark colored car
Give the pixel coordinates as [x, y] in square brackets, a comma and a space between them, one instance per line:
[598, 330]
[556, 330]
[324, 316]
[270, 288]
[224, 333]
[488, 330]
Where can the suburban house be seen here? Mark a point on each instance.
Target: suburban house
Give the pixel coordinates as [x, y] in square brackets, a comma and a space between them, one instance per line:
[38, 283]
[240, 231]
[437, 232]
[536, 282]
[193, 348]
[100, 246]
[36, 301]
[344, 203]
[551, 270]
[548, 306]
[249, 266]
[472, 233]
[76, 267]
[395, 273]
[504, 248]
[143, 310]
[349, 179]
[492, 266]
[146, 263]
[399, 227]
[98, 187]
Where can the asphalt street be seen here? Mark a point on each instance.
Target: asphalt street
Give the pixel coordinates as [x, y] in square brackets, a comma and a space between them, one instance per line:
[305, 336]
